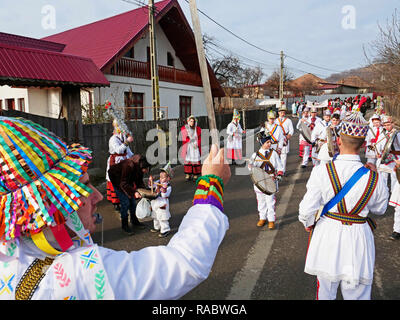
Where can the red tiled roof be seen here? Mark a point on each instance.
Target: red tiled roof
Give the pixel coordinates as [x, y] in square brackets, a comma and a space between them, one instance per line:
[20, 41]
[39, 67]
[104, 39]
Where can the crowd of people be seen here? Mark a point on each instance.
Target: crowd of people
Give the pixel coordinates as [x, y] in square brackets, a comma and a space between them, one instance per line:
[48, 205]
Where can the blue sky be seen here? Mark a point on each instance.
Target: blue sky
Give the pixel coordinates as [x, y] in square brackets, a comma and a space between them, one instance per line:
[308, 30]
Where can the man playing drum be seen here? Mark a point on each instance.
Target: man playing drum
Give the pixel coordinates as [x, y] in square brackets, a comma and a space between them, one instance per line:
[305, 147]
[318, 136]
[329, 148]
[267, 159]
[287, 127]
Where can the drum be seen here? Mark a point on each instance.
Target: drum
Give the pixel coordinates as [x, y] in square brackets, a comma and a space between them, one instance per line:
[147, 193]
[263, 181]
[305, 131]
[387, 156]
[330, 141]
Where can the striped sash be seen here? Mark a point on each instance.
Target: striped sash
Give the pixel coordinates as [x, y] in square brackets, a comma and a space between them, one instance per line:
[267, 163]
[274, 141]
[348, 218]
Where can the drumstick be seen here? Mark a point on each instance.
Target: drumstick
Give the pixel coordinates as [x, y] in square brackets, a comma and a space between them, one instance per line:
[260, 160]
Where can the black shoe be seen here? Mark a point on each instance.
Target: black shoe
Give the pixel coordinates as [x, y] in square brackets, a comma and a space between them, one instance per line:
[154, 230]
[303, 166]
[163, 235]
[394, 236]
[138, 225]
[126, 228]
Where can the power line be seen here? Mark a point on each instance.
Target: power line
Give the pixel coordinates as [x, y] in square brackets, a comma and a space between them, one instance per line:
[257, 47]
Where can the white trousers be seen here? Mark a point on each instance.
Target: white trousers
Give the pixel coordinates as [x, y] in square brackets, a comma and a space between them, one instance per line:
[396, 225]
[327, 290]
[306, 155]
[162, 225]
[266, 206]
[385, 177]
[284, 160]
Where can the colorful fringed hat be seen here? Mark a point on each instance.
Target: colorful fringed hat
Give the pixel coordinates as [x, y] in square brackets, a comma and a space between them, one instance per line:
[354, 125]
[271, 114]
[236, 114]
[39, 179]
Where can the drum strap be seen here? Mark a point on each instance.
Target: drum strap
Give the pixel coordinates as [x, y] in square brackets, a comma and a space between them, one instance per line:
[272, 134]
[266, 162]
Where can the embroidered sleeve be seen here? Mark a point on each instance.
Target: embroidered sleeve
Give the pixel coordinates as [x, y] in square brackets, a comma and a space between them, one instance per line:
[210, 190]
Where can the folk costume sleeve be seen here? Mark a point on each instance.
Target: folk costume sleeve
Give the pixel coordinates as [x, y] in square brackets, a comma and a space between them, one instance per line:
[169, 272]
[312, 200]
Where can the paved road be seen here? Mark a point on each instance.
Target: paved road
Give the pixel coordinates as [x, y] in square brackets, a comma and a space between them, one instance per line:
[256, 263]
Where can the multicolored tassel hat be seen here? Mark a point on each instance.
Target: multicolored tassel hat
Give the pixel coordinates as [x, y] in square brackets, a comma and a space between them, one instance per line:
[354, 125]
[39, 183]
[236, 114]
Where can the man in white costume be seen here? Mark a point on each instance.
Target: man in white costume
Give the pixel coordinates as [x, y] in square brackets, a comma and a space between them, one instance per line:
[304, 146]
[318, 135]
[275, 131]
[386, 170]
[40, 260]
[287, 127]
[394, 201]
[375, 136]
[268, 159]
[234, 139]
[341, 250]
[323, 154]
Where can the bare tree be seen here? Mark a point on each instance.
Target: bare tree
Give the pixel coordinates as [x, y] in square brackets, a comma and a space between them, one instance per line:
[386, 62]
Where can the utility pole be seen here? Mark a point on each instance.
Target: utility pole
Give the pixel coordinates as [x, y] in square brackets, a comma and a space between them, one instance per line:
[281, 80]
[153, 65]
[204, 71]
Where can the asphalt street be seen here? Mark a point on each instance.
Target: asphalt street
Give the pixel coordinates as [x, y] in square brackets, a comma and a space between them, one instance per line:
[256, 263]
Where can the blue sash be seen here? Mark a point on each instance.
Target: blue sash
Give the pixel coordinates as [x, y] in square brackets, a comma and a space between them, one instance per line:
[346, 188]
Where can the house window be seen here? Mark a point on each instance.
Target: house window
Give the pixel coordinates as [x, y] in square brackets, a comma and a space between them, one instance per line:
[185, 107]
[130, 53]
[10, 103]
[21, 104]
[134, 100]
[1, 104]
[170, 60]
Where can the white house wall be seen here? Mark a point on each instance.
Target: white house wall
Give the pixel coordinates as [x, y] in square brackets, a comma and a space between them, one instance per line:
[169, 95]
[163, 47]
[45, 102]
[7, 92]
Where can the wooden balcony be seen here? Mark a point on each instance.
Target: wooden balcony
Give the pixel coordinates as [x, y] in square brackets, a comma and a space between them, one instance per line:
[126, 67]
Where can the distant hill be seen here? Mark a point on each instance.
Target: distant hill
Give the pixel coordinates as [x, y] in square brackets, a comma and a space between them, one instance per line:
[365, 76]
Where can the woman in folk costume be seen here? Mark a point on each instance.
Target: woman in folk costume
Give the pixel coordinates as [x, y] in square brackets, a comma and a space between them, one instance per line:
[191, 148]
[341, 249]
[374, 137]
[234, 141]
[268, 159]
[275, 131]
[118, 147]
[287, 127]
[47, 213]
[160, 205]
